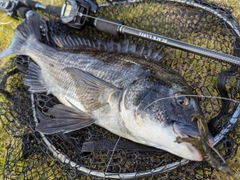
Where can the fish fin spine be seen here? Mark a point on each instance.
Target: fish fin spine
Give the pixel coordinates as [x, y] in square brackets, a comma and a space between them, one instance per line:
[73, 42]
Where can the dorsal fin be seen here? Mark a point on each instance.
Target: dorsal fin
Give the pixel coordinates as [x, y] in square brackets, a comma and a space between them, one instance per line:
[68, 42]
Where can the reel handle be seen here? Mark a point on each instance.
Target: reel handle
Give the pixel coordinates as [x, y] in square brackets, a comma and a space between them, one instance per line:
[49, 9]
[18, 8]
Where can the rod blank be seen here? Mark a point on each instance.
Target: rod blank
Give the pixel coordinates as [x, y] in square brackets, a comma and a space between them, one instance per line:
[117, 28]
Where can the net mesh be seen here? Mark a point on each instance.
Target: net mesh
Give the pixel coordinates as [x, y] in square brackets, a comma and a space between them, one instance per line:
[29, 156]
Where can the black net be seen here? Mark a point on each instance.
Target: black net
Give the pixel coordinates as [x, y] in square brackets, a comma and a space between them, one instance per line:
[95, 153]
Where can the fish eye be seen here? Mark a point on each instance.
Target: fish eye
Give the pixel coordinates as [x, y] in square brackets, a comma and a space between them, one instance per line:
[182, 99]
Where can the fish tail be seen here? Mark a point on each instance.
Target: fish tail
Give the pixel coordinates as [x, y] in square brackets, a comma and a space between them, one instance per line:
[24, 35]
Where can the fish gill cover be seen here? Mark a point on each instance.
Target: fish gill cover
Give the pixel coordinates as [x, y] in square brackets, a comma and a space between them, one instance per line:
[93, 151]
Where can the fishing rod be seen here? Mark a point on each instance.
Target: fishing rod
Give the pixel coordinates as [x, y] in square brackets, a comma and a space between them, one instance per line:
[75, 13]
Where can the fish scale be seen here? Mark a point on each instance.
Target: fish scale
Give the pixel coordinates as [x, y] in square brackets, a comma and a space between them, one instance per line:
[113, 72]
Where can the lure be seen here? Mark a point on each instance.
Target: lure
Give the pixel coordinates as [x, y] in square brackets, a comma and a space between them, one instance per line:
[201, 143]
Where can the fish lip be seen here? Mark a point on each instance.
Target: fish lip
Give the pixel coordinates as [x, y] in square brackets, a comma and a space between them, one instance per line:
[198, 156]
[184, 131]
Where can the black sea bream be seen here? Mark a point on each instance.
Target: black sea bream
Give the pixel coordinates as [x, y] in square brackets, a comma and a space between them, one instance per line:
[122, 92]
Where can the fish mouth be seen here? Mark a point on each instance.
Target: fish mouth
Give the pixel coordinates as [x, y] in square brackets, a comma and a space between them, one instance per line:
[188, 131]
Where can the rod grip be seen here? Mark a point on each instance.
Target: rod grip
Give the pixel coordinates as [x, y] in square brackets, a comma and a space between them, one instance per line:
[107, 25]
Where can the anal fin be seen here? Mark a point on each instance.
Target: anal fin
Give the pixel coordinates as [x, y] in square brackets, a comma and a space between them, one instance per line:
[65, 119]
[33, 79]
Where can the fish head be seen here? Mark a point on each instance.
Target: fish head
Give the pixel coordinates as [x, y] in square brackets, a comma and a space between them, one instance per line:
[161, 113]
[180, 112]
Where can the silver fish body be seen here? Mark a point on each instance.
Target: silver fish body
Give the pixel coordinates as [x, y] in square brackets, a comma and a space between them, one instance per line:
[124, 93]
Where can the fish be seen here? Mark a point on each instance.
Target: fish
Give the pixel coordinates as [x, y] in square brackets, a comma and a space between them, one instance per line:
[125, 93]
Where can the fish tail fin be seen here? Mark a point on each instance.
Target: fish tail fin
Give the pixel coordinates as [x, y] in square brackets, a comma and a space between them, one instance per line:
[25, 33]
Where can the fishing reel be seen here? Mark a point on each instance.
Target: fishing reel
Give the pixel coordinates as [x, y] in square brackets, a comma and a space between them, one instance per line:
[74, 12]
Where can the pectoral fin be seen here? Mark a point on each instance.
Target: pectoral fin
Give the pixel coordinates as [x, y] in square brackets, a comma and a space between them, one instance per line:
[92, 92]
[65, 119]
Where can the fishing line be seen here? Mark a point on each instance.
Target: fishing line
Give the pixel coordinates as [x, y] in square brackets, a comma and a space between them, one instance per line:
[110, 159]
[210, 97]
